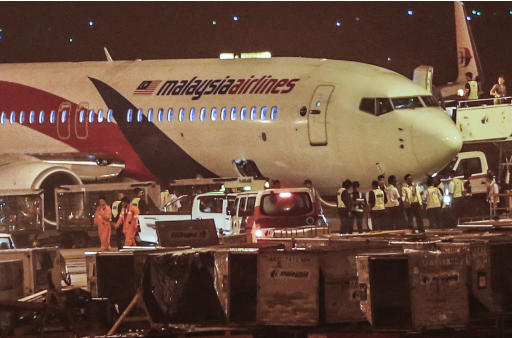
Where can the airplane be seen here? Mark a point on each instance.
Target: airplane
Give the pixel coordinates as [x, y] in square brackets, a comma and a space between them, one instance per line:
[285, 118]
[467, 61]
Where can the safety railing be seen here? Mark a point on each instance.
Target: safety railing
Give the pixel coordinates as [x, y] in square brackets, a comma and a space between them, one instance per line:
[478, 102]
[506, 206]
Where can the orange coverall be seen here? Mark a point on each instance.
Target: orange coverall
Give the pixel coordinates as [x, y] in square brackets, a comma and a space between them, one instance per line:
[102, 219]
[129, 217]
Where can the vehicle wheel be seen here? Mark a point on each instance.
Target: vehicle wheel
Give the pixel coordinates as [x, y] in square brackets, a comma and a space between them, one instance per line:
[80, 240]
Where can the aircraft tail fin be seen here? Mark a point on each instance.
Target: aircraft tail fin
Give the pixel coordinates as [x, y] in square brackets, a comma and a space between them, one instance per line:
[423, 76]
[467, 56]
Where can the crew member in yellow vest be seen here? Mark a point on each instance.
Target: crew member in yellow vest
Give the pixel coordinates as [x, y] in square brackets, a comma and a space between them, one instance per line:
[377, 202]
[385, 222]
[471, 87]
[139, 202]
[393, 206]
[433, 198]
[116, 210]
[411, 197]
[344, 206]
[456, 187]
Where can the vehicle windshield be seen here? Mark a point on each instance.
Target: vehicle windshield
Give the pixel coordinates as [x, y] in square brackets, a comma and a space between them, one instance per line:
[406, 102]
[20, 212]
[445, 172]
[286, 204]
[5, 243]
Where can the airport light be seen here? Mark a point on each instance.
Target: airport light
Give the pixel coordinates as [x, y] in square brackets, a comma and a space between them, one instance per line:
[468, 18]
[510, 12]
[338, 23]
[1, 37]
[256, 55]
[226, 56]
[357, 18]
[473, 11]
[479, 13]
[389, 59]
[91, 23]
[70, 40]
[214, 22]
[410, 12]
[235, 18]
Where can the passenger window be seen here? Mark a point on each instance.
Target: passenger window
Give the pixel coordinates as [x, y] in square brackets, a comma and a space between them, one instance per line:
[2, 118]
[249, 207]
[202, 114]
[233, 114]
[160, 115]
[110, 116]
[223, 113]
[383, 106]
[192, 115]
[214, 114]
[211, 204]
[241, 207]
[41, 117]
[52, 116]
[140, 112]
[254, 112]
[129, 115]
[91, 116]
[170, 115]
[181, 114]
[22, 117]
[13, 117]
[263, 113]
[81, 116]
[150, 115]
[101, 117]
[368, 106]
[273, 113]
[243, 113]
[470, 166]
[32, 117]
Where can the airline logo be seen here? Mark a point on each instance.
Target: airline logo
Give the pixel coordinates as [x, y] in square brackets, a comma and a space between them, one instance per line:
[195, 88]
[464, 56]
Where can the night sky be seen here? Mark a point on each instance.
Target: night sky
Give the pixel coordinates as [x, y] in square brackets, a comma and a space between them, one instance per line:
[380, 33]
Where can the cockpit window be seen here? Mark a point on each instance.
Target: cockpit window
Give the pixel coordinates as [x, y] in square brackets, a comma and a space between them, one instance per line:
[430, 101]
[376, 106]
[406, 102]
[383, 106]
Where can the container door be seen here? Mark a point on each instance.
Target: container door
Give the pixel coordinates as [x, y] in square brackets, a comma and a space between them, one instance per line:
[317, 115]
[63, 121]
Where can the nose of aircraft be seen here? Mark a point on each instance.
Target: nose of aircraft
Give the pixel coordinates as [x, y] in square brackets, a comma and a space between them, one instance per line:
[435, 140]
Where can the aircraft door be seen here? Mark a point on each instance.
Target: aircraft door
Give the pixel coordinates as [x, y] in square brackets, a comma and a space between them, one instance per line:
[63, 121]
[317, 123]
[82, 121]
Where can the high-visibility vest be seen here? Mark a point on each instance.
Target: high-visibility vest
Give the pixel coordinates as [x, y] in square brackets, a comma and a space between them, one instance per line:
[433, 200]
[379, 200]
[408, 195]
[473, 90]
[115, 208]
[340, 201]
[458, 186]
[136, 201]
[390, 203]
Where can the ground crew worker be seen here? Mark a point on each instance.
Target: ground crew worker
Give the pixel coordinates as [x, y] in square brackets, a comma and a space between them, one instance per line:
[139, 202]
[455, 188]
[315, 196]
[102, 218]
[433, 198]
[492, 196]
[358, 206]
[344, 206]
[393, 208]
[382, 185]
[116, 210]
[499, 90]
[128, 220]
[377, 202]
[412, 203]
[471, 87]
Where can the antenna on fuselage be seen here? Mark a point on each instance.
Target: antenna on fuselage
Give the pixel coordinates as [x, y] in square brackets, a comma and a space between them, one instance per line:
[107, 54]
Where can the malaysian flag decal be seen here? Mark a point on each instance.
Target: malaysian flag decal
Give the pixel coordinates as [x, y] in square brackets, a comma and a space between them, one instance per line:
[147, 87]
